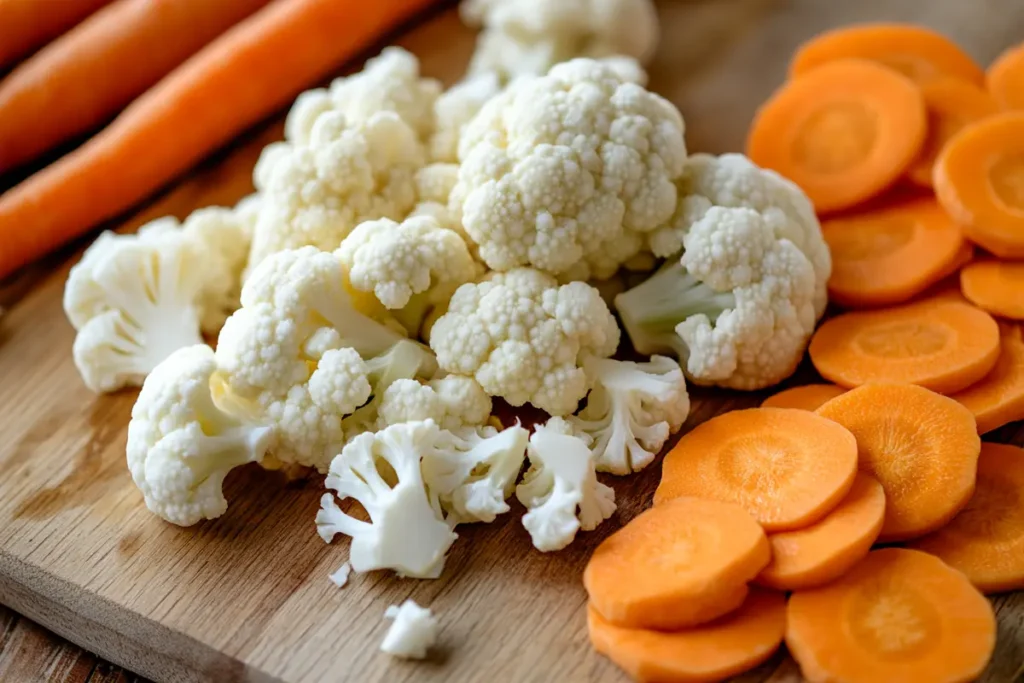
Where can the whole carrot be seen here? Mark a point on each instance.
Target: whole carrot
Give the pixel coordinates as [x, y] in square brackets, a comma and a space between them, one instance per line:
[240, 78]
[80, 80]
[27, 24]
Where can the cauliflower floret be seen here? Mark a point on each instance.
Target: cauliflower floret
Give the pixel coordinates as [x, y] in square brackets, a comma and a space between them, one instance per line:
[413, 632]
[434, 183]
[561, 479]
[406, 532]
[632, 410]
[181, 445]
[569, 172]
[522, 337]
[737, 308]
[454, 109]
[453, 401]
[733, 181]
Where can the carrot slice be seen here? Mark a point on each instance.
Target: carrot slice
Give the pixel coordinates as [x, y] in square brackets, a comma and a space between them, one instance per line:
[922, 447]
[806, 397]
[676, 565]
[716, 651]
[986, 540]
[1005, 78]
[952, 104]
[899, 616]
[979, 180]
[915, 51]
[823, 552]
[889, 255]
[843, 132]
[995, 286]
[786, 467]
[938, 343]
[998, 399]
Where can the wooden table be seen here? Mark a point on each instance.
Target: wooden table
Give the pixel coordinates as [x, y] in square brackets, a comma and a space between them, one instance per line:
[718, 60]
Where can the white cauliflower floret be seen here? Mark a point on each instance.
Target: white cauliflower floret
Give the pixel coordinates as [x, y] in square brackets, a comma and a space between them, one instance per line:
[413, 632]
[569, 172]
[452, 402]
[523, 337]
[181, 445]
[733, 181]
[632, 410]
[381, 470]
[434, 184]
[737, 308]
[560, 481]
[454, 109]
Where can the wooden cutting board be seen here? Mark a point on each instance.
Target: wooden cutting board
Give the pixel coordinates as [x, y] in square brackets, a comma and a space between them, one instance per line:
[246, 598]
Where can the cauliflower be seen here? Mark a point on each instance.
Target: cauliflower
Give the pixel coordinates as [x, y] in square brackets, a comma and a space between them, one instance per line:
[733, 181]
[632, 410]
[406, 532]
[454, 109]
[452, 402]
[181, 445]
[569, 172]
[412, 633]
[522, 337]
[561, 479]
[738, 308]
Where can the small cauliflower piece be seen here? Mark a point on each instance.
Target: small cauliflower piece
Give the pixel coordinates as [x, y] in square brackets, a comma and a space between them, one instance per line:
[181, 445]
[452, 402]
[632, 410]
[522, 336]
[340, 577]
[412, 633]
[454, 109]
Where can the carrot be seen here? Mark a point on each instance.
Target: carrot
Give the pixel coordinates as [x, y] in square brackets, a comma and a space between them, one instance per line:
[676, 565]
[823, 552]
[996, 287]
[1005, 78]
[915, 51]
[889, 255]
[899, 616]
[979, 180]
[922, 447]
[788, 468]
[951, 104]
[986, 540]
[806, 397]
[843, 132]
[27, 24]
[77, 82]
[241, 77]
[998, 399]
[716, 651]
[939, 343]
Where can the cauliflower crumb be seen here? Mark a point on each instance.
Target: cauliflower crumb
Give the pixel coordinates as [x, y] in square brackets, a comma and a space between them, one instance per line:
[412, 632]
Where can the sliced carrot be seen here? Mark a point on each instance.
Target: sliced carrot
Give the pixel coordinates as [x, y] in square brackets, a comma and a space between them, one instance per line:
[899, 616]
[939, 343]
[986, 540]
[952, 103]
[27, 24]
[889, 255]
[996, 287]
[713, 652]
[806, 397]
[786, 467]
[1005, 78]
[979, 180]
[922, 448]
[915, 51]
[998, 399]
[823, 552]
[843, 132]
[676, 565]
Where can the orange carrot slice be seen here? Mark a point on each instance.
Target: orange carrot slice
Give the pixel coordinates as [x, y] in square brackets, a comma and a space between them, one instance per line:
[786, 467]
[716, 651]
[1005, 78]
[986, 540]
[995, 286]
[823, 552]
[899, 616]
[806, 397]
[676, 565]
[922, 448]
[938, 343]
[843, 132]
[998, 399]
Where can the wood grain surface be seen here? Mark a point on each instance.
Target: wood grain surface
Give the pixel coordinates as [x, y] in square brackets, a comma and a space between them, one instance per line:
[246, 598]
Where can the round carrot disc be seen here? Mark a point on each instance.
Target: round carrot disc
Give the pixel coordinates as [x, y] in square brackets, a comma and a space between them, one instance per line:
[899, 616]
[677, 565]
[788, 468]
[986, 540]
[998, 399]
[921, 446]
[806, 397]
[1005, 78]
[939, 343]
[842, 132]
[995, 286]
[889, 255]
[713, 652]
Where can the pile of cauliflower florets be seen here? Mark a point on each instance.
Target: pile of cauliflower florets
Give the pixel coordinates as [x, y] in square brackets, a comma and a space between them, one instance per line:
[412, 255]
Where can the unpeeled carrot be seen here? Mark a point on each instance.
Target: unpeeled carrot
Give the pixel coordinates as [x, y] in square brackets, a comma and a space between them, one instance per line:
[25, 25]
[247, 73]
[806, 397]
[80, 80]
[996, 287]
[998, 398]
[1005, 78]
